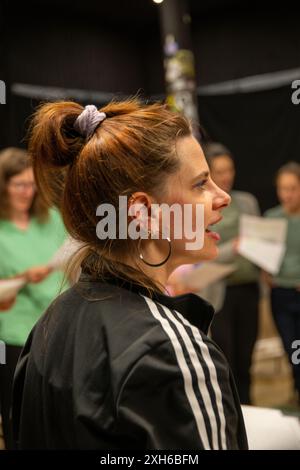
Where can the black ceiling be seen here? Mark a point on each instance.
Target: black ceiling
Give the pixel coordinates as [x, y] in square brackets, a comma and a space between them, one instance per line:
[136, 13]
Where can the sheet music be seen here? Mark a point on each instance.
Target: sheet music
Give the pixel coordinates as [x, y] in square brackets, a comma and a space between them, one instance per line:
[262, 241]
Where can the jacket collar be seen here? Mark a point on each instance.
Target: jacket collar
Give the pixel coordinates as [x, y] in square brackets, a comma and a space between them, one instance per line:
[195, 309]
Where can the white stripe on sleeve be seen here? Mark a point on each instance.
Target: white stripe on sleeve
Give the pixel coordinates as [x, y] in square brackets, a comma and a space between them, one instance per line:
[186, 373]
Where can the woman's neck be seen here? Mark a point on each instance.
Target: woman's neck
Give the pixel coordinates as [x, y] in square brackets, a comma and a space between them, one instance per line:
[20, 219]
[295, 211]
[158, 274]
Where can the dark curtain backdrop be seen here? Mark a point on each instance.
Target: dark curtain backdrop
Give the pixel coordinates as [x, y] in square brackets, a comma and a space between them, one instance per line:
[262, 129]
[5, 136]
[118, 50]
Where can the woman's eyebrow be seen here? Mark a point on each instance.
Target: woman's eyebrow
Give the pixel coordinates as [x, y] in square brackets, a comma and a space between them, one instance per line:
[204, 174]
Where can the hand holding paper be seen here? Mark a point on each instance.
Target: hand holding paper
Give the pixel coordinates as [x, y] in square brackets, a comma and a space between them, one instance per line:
[262, 241]
[37, 273]
[9, 288]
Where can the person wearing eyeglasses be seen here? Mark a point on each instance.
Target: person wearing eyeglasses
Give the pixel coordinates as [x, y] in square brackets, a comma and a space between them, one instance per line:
[29, 236]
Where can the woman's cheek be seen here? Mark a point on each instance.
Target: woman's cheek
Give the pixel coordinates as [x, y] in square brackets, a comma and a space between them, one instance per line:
[207, 208]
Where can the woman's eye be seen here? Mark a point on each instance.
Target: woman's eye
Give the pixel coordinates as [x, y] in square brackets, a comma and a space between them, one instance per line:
[201, 184]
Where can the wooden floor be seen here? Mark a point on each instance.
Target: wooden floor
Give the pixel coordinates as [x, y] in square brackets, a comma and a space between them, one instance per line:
[271, 373]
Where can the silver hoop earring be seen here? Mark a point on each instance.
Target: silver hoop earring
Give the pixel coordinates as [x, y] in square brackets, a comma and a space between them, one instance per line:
[154, 265]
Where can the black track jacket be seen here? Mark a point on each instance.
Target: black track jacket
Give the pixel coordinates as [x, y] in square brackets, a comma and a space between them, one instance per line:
[107, 367]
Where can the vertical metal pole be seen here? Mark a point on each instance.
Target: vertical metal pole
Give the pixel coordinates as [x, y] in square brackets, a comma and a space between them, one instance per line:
[179, 65]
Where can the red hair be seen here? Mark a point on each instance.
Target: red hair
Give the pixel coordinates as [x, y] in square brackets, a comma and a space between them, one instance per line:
[133, 149]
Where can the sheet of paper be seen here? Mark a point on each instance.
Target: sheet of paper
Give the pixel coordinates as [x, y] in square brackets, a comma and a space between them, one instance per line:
[9, 288]
[269, 429]
[266, 255]
[262, 241]
[206, 274]
[64, 254]
[262, 228]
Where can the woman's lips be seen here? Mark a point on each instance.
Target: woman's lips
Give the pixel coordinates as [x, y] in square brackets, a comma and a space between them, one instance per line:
[214, 235]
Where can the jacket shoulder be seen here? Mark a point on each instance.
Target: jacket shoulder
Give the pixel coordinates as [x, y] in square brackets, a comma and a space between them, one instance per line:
[184, 379]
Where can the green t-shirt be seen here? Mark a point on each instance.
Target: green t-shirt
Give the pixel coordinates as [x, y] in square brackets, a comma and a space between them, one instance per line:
[20, 250]
[289, 273]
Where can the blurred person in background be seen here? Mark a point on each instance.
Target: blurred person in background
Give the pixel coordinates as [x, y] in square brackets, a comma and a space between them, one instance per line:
[235, 326]
[29, 236]
[285, 286]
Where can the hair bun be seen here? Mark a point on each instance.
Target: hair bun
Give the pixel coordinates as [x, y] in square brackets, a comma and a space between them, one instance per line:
[52, 133]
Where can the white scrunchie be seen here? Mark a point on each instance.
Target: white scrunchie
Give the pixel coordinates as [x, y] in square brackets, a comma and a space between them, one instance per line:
[88, 120]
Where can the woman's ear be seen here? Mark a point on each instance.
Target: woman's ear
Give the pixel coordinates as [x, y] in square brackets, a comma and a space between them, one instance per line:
[139, 210]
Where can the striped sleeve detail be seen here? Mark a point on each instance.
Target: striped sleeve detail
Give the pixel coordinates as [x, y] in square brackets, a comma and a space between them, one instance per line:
[212, 378]
[209, 418]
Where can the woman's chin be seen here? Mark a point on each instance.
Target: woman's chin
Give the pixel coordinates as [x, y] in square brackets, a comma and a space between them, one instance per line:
[210, 253]
[22, 207]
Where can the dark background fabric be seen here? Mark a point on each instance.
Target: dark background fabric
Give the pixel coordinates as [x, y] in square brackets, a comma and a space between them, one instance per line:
[116, 47]
[262, 131]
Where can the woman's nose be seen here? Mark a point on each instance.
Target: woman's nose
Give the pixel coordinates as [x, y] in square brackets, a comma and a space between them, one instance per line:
[227, 198]
[222, 199]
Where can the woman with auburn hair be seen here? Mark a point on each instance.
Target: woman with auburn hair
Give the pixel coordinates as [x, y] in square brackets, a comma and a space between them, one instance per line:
[116, 362]
[29, 236]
